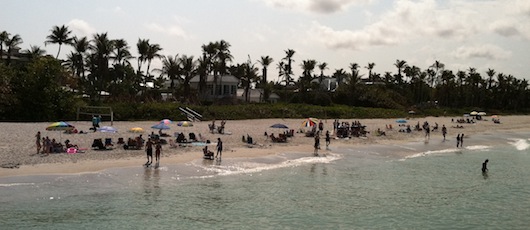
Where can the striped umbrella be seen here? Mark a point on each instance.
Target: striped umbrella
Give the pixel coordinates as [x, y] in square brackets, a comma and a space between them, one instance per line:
[60, 126]
[310, 122]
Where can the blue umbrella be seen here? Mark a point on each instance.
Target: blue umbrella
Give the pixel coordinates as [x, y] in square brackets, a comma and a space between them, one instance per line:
[108, 129]
[401, 121]
[279, 126]
[160, 126]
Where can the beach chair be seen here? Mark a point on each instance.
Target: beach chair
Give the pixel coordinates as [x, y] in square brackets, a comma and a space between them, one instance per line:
[97, 144]
[108, 142]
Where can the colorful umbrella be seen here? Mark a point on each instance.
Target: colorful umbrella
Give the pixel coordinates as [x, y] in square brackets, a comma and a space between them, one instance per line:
[160, 126]
[136, 130]
[166, 121]
[60, 126]
[185, 124]
[108, 129]
[310, 122]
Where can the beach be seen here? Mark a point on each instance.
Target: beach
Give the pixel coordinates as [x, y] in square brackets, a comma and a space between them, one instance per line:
[18, 147]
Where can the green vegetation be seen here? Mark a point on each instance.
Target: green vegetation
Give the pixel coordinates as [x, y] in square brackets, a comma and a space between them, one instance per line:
[39, 87]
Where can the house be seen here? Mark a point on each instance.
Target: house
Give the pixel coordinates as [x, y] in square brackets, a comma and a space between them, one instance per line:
[225, 86]
[256, 95]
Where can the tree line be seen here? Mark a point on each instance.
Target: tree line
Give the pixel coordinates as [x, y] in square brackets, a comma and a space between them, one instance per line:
[102, 70]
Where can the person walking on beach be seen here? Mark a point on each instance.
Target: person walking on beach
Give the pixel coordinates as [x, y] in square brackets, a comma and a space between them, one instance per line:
[158, 150]
[462, 140]
[458, 140]
[149, 151]
[317, 144]
[328, 139]
[444, 131]
[485, 166]
[37, 142]
[219, 149]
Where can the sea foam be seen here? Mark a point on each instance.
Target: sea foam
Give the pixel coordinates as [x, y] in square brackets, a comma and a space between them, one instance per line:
[255, 167]
[520, 144]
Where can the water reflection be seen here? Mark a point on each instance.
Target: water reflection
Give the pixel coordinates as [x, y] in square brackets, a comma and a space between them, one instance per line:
[151, 184]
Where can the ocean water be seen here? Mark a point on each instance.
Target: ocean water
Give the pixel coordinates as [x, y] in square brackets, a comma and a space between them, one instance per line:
[437, 186]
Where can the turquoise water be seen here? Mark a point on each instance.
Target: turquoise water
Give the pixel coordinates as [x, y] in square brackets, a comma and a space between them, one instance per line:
[361, 187]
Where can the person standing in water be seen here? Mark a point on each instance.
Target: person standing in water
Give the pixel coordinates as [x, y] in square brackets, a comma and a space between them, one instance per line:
[158, 150]
[219, 149]
[462, 140]
[458, 140]
[485, 166]
[149, 152]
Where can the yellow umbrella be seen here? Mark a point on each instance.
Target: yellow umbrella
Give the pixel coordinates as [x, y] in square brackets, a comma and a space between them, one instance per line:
[136, 130]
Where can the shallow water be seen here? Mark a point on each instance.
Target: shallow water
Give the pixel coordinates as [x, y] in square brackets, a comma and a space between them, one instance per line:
[363, 187]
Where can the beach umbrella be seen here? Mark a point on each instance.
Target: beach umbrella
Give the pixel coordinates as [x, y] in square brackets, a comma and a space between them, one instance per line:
[160, 126]
[108, 129]
[166, 121]
[474, 113]
[279, 126]
[310, 122]
[136, 130]
[60, 126]
[401, 121]
[494, 116]
[412, 112]
[185, 124]
[481, 113]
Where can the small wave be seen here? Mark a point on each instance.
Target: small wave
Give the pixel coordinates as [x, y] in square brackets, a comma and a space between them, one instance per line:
[478, 147]
[520, 144]
[431, 152]
[254, 167]
[15, 184]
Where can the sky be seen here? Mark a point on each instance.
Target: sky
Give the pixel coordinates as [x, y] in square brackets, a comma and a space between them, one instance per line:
[482, 34]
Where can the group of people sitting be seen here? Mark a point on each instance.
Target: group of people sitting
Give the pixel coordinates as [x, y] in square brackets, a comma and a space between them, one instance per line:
[220, 129]
[282, 138]
[181, 138]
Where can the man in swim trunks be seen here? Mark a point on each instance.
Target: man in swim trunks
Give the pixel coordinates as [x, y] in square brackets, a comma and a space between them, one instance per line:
[149, 151]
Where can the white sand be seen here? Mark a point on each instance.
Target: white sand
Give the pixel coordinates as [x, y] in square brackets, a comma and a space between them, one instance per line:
[18, 142]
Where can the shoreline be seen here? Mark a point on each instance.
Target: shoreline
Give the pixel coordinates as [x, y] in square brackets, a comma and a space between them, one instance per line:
[22, 149]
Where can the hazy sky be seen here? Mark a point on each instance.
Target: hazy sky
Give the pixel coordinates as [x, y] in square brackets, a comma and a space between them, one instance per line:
[459, 33]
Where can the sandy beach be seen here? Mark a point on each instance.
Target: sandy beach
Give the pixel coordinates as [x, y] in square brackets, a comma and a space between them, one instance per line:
[18, 145]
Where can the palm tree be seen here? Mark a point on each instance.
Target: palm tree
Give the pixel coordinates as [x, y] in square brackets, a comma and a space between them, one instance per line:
[102, 48]
[80, 45]
[4, 36]
[289, 57]
[59, 35]
[188, 68]
[322, 66]
[400, 65]
[265, 61]
[170, 68]
[121, 53]
[370, 67]
[152, 53]
[491, 74]
[12, 44]
[143, 48]
[437, 66]
[35, 51]
[249, 75]
[305, 80]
